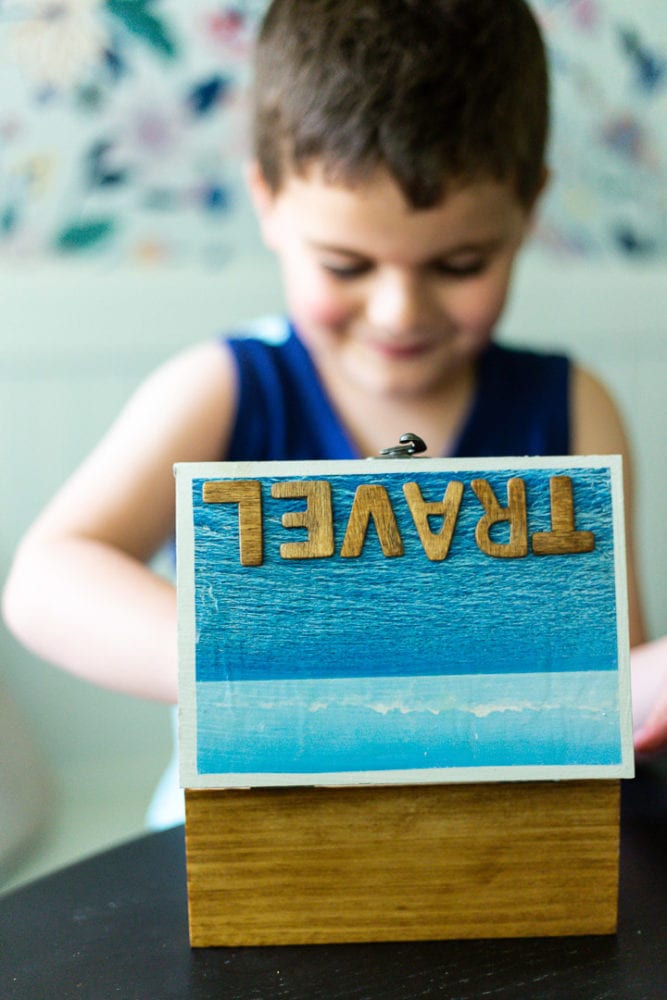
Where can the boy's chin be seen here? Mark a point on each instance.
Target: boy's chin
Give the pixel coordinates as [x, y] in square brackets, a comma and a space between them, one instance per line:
[401, 381]
[421, 375]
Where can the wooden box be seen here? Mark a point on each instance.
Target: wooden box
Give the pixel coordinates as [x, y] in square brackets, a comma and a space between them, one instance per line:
[404, 698]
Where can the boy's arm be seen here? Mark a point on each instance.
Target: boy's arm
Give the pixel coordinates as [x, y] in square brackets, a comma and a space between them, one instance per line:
[597, 429]
[79, 593]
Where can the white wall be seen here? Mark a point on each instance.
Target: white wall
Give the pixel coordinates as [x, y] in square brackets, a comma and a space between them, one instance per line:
[75, 341]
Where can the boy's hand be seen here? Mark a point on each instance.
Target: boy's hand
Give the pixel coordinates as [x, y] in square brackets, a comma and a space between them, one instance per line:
[649, 696]
[653, 734]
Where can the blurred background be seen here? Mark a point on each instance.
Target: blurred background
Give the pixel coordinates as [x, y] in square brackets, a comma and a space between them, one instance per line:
[125, 234]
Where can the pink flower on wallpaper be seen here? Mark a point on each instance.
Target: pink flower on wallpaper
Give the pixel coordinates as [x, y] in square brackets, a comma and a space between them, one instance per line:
[155, 131]
[585, 13]
[230, 31]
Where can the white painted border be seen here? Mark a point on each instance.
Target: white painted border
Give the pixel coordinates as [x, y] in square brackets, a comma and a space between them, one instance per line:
[185, 472]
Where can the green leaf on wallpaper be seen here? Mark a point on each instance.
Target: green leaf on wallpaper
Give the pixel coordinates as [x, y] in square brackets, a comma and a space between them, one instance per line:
[9, 218]
[141, 21]
[84, 235]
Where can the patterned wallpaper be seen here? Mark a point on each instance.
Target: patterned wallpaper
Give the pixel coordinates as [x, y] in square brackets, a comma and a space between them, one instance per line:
[609, 137]
[122, 129]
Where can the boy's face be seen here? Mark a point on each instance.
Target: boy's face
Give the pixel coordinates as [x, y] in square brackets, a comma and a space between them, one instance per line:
[393, 300]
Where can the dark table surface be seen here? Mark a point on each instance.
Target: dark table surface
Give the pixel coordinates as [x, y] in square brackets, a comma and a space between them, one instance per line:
[115, 926]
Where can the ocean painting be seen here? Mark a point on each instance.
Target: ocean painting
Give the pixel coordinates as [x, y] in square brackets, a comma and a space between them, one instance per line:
[309, 656]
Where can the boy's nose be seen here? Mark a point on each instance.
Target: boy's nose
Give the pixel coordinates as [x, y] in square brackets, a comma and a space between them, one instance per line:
[398, 303]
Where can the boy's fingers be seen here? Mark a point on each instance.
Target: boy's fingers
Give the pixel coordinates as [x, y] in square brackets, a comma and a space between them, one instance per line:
[652, 735]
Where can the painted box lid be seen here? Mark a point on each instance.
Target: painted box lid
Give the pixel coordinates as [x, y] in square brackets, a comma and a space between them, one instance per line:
[402, 621]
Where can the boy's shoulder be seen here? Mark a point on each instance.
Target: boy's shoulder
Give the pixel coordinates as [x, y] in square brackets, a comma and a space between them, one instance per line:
[271, 330]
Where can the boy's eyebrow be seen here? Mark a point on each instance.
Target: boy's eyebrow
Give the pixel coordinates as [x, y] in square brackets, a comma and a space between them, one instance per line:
[335, 248]
[480, 246]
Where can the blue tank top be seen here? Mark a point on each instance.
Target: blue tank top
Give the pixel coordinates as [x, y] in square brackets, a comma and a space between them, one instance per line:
[520, 405]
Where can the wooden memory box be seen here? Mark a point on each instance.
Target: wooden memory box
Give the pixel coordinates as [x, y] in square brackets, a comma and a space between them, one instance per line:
[404, 698]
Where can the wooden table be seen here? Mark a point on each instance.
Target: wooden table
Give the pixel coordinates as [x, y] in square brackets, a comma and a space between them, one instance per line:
[115, 925]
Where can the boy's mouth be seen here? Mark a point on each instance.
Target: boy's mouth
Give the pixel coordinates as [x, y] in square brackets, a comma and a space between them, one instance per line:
[399, 352]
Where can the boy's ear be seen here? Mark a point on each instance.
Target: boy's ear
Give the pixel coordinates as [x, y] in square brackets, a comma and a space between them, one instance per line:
[545, 180]
[263, 200]
[532, 210]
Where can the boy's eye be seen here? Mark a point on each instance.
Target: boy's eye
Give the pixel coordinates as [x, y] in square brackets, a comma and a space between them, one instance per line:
[463, 270]
[466, 269]
[347, 272]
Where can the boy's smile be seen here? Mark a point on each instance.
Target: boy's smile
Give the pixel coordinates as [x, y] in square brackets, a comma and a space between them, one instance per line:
[396, 301]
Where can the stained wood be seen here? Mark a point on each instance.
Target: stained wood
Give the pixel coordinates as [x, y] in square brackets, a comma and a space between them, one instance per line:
[372, 501]
[315, 865]
[248, 495]
[436, 544]
[316, 518]
[514, 513]
[563, 538]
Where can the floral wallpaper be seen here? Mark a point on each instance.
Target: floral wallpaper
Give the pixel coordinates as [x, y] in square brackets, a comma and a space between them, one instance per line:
[609, 136]
[123, 129]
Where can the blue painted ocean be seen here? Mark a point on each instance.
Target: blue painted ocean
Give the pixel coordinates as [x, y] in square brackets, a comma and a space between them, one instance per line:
[379, 663]
[385, 724]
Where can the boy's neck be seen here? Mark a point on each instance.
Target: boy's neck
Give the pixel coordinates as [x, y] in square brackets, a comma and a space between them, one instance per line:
[376, 421]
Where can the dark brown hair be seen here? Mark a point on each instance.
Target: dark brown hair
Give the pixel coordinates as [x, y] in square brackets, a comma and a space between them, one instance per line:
[435, 91]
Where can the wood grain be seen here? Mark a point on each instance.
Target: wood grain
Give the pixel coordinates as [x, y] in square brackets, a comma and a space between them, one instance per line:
[436, 544]
[317, 518]
[372, 501]
[248, 495]
[308, 865]
[563, 539]
[515, 513]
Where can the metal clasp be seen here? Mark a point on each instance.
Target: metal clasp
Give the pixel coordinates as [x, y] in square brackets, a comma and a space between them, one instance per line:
[409, 445]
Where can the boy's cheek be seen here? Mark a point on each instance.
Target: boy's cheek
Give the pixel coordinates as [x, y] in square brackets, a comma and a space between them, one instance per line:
[479, 309]
[320, 310]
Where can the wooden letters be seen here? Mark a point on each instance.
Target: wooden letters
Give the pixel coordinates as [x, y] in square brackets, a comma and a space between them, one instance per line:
[317, 519]
[372, 503]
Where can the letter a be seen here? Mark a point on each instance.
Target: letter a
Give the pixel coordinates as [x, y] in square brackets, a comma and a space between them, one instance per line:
[436, 546]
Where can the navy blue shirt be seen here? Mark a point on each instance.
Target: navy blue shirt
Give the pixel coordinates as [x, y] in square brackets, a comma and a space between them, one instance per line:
[520, 406]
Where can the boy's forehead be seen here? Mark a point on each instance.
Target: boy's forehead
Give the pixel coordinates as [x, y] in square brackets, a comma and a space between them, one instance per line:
[337, 210]
[379, 187]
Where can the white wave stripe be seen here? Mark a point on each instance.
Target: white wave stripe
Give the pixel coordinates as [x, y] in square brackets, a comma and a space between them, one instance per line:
[382, 708]
[591, 692]
[482, 711]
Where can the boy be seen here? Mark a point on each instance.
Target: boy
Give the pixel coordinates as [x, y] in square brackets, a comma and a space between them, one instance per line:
[399, 156]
